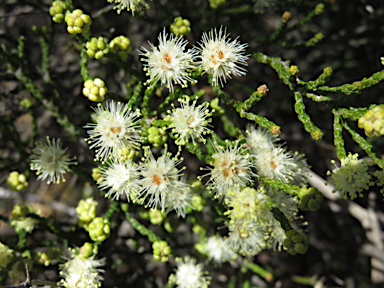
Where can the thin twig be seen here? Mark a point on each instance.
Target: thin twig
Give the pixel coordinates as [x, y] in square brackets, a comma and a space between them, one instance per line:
[28, 282]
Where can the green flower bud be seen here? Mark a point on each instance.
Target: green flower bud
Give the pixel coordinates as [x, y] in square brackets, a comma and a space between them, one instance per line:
[157, 136]
[180, 26]
[161, 251]
[57, 11]
[215, 106]
[293, 70]
[319, 8]
[43, 258]
[171, 225]
[310, 199]
[77, 22]
[96, 47]
[16, 181]
[144, 214]
[20, 221]
[86, 209]
[87, 250]
[199, 229]
[125, 154]
[368, 127]
[26, 103]
[372, 122]
[120, 46]
[96, 176]
[296, 242]
[361, 122]
[198, 202]
[95, 89]
[156, 217]
[20, 211]
[99, 229]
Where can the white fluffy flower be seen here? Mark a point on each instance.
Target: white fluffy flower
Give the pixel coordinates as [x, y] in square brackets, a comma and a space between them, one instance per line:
[82, 273]
[120, 178]
[245, 238]
[129, 5]
[190, 275]
[50, 161]
[276, 163]
[300, 171]
[232, 168]
[116, 129]
[352, 176]
[218, 251]
[189, 121]
[260, 139]
[221, 57]
[160, 180]
[180, 200]
[248, 205]
[168, 62]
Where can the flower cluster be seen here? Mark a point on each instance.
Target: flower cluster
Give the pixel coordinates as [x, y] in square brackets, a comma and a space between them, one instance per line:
[219, 57]
[156, 180]
[253, 225]
[120, 46]
[373, 122]
[17, 181]
[81, 271]
[77, 22]
[95, 89]
[351, 177]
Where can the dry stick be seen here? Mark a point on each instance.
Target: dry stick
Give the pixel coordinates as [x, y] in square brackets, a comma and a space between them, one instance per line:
[58, 206]
[369, 219]
[377, 275]
[28, 282]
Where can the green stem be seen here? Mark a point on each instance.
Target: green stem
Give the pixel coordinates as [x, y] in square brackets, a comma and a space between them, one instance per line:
[338, 138]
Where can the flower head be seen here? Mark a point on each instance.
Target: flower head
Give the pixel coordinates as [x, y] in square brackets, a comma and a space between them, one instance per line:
[116, 128]
[221, 57]
[160, 180]
[190, 275]
[180, 200]
[218, 251]
[260, 139]
[300, 171]
[119, 178]
[81, 272]
[248, 205]
[50, 161]
[276, 163]
[232, 168]
[189, 121]
[129, 5]
[168, 62]
[352, 176]
[246, 238]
